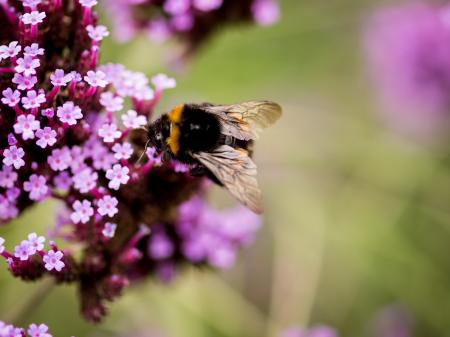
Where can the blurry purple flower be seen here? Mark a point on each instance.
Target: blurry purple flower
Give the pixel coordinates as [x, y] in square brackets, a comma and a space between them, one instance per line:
[122, 151]
[96, 78]
[207, 5]
[40, 330]
[31, 3]
[97, 33]
[59, 160]
[23, 251]
[2, 247]
[131, 120]
[162, 82]
[85, 180]
[7, 177]
[109, 132]
[413, 78]
[110, 102]
[109, 230]
[160, 246]
[393, 321]
[36, 186]
[36, 242]
[52, 260]
[82, 211]
[13, 157]
[33, 50]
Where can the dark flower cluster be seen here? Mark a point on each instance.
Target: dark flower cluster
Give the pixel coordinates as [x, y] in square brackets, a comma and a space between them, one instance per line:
[73, 130]
[193, 21]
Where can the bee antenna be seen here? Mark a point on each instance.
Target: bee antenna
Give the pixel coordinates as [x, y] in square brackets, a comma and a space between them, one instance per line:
[143, 152]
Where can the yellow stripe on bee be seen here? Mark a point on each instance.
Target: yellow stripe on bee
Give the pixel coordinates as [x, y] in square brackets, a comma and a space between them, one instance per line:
[242, 150]
[174, 138]
[176, 114]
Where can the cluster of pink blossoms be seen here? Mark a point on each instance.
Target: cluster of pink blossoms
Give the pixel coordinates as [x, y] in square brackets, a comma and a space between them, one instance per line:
[73, 130]
[34, 330]
[193, 21]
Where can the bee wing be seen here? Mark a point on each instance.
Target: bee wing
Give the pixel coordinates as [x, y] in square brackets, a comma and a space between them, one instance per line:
[246, 120]
[236, 171]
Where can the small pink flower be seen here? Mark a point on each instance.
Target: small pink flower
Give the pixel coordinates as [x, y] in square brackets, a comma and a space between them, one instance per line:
[24, 82]
[132, 120]
[88, 3]
[108, 206]
[96, 78]
[47, 137]
[117, 175]
[33, 100]
[160, 246]
[33, 50]
[59, 79]
[266, 12]
[110, 102]
[108, 230]
[8, 177]
[52, 260]
[97, 33]
[13, 156]
[36, 186]
[31, 3]
[36, 242]
[23, 251]
[40, 330]
[26, 125]
[33, 18]
[82, 211]
[11, 50]
[60, 159]
[27, 65]
[85, 180]
[2, 247]
[11, 98]
[109, 132]
[207, 5]
[162, 81]
[122, 151]
[176, 7]
[69, 113]
[159, 30]
[63, 181]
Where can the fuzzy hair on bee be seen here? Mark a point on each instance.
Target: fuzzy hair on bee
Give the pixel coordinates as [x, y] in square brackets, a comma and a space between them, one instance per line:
[219, 138]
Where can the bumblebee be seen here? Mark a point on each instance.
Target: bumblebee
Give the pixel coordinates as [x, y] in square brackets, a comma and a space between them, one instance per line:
[219, 138]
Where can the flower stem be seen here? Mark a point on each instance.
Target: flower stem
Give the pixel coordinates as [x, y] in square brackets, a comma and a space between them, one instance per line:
[21, 313]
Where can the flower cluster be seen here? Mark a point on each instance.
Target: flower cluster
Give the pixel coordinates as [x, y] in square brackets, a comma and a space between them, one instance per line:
[408, 49]
[193, 21]
[73, 130]
[34, 330]
[318, 331]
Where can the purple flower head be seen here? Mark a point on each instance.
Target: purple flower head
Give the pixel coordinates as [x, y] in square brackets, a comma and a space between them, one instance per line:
[60, 159]
[413, 78]
[110, 102]
[53, 261]
[36, 186]
[85, 180]
[40, 330]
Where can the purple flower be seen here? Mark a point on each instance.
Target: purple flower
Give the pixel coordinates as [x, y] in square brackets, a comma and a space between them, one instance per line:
[47, 137]
[33, 18]
[266, 12]
[122, 151]
[413, 78]
[52, 260]
[31, 3]
[27, 65]
[88, 3]
[36, 242]
[26, 125]
[176, 7]
[11, 98]
[110, 102]
[109, 132]
[82, 211]
[23, 251]
[69, 113]
[108, 206]
[85, 180]
[162, 81]
[97, 33]
[13, 157]
[117, 175]
[24, 82]
[33, 100]
[7, 177]
[96, 78]
[2, 247]
[33, 50]
[60, 159]
[132, 120]
[11, 50]
[160, 246]
[109, 230]
[37, 186]
[63, 181]
[59, 79]
[207, 5]
[40, 330]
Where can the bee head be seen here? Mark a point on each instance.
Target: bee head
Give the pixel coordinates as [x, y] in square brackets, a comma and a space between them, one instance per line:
[158, 132]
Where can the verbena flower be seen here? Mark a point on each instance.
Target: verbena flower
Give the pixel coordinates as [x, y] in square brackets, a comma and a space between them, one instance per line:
[192, 21]
[34, 330]
[408, 52]
[72, 130]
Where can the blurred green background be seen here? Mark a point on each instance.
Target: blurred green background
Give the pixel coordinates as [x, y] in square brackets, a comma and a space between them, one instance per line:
[357, 217]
